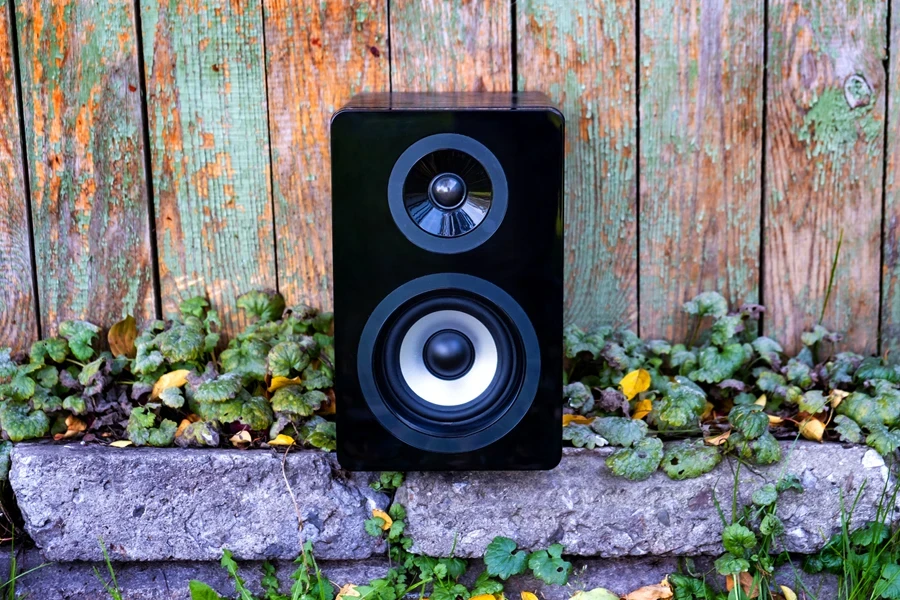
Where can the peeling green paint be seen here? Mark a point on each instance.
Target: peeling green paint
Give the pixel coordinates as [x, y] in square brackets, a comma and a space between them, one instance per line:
[82, 121]
[209, 151]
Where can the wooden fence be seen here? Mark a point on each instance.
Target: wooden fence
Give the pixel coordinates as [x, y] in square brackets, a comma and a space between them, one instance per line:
[152, 150]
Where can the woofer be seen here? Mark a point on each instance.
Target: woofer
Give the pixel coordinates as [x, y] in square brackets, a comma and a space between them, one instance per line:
[471, 408]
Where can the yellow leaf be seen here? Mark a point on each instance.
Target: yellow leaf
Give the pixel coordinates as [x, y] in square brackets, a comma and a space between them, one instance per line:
[173, 379]
[773, 420]
[812, 429]
[483, 597]
[577, 419]
[121, 444]
[181, 427]
[642, 409]
[528, 596]
[74, 426]
[788, 593]
[761, 401]
[388, 521]
[660, 591]
[121, 337]
[836, 397]
[707, 411]
[280, 382]
[241, 437]
[717, 440]
[751, 589]
[635, 382]
[282, 440]
[348, 591]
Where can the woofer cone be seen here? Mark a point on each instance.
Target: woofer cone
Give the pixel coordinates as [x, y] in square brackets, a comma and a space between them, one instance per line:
[432, 419]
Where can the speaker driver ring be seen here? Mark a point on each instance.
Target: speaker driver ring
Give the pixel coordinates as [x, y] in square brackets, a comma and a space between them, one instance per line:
[446, 229]
[461, 427]
[448, 392]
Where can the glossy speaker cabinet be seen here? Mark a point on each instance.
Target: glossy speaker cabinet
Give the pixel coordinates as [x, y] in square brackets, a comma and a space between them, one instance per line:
[448, 281]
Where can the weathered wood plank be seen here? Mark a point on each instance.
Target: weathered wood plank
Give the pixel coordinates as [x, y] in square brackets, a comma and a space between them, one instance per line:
[890, 301]
[18, 320]
[583, 55]
[209, 150]
[81, 99]
[824, 151]
[701, 153]
[318, 54]
[451, 45]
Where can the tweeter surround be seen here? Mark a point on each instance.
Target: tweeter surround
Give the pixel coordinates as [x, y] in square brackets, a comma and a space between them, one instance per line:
[449, 363]
[448, 193]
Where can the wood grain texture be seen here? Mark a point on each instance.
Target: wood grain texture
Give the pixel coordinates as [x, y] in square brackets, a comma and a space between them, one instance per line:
[701, 154]
[318, 55]
[209, 151]
[84, 148]
[18, 320]
[451, 45]
[583, 55]
[824, 152]
[890, 287]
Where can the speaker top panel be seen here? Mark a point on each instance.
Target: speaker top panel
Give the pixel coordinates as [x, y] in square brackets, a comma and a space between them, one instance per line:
[450, 101]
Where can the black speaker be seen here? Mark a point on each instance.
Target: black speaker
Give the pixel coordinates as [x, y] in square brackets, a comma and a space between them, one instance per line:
[447, 214]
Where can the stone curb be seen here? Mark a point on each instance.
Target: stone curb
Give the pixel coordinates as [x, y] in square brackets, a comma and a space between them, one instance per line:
[594, 513]
[152, 504]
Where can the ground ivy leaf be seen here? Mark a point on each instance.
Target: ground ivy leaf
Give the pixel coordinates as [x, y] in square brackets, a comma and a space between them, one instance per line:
[873, 533]
[194, 307]
[263, 305]
[577, 341]
[595, 594]
[749, 419]
[717, 365]
[768, 349]
[248, 359]
[502, 560]
[813, 401]
[766, 495]
[725, 328]
[848, 429]
[638, 462]
[765, 449]
[771, 525]
[316, 378]
[888, 585]
[728, 564]
[172, 397]
[57, 349]
[548, 565]
[707, 304]
[287, 358]
[874, 367]
[320, 433]
[737, 539]
[222, 388]
[686, 460]
[682, 404]
[21, 423]
[818, 334]
[181, 343]
[884, 440]
[485, 585]
[80, 335]
[293, 400]
[582, 436]
[620, 431]
[578, 396]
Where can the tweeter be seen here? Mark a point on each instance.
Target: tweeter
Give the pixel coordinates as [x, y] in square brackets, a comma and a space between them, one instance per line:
[448, 281]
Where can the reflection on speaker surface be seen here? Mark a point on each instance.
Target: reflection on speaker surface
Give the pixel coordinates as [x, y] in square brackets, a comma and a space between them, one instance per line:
[448, 193]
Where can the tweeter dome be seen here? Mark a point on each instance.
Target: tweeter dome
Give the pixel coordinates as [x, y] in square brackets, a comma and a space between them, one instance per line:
[448, 281]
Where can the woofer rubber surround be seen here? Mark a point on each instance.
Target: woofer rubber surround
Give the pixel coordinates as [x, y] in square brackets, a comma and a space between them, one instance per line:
[484, 229]
[449, 429]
